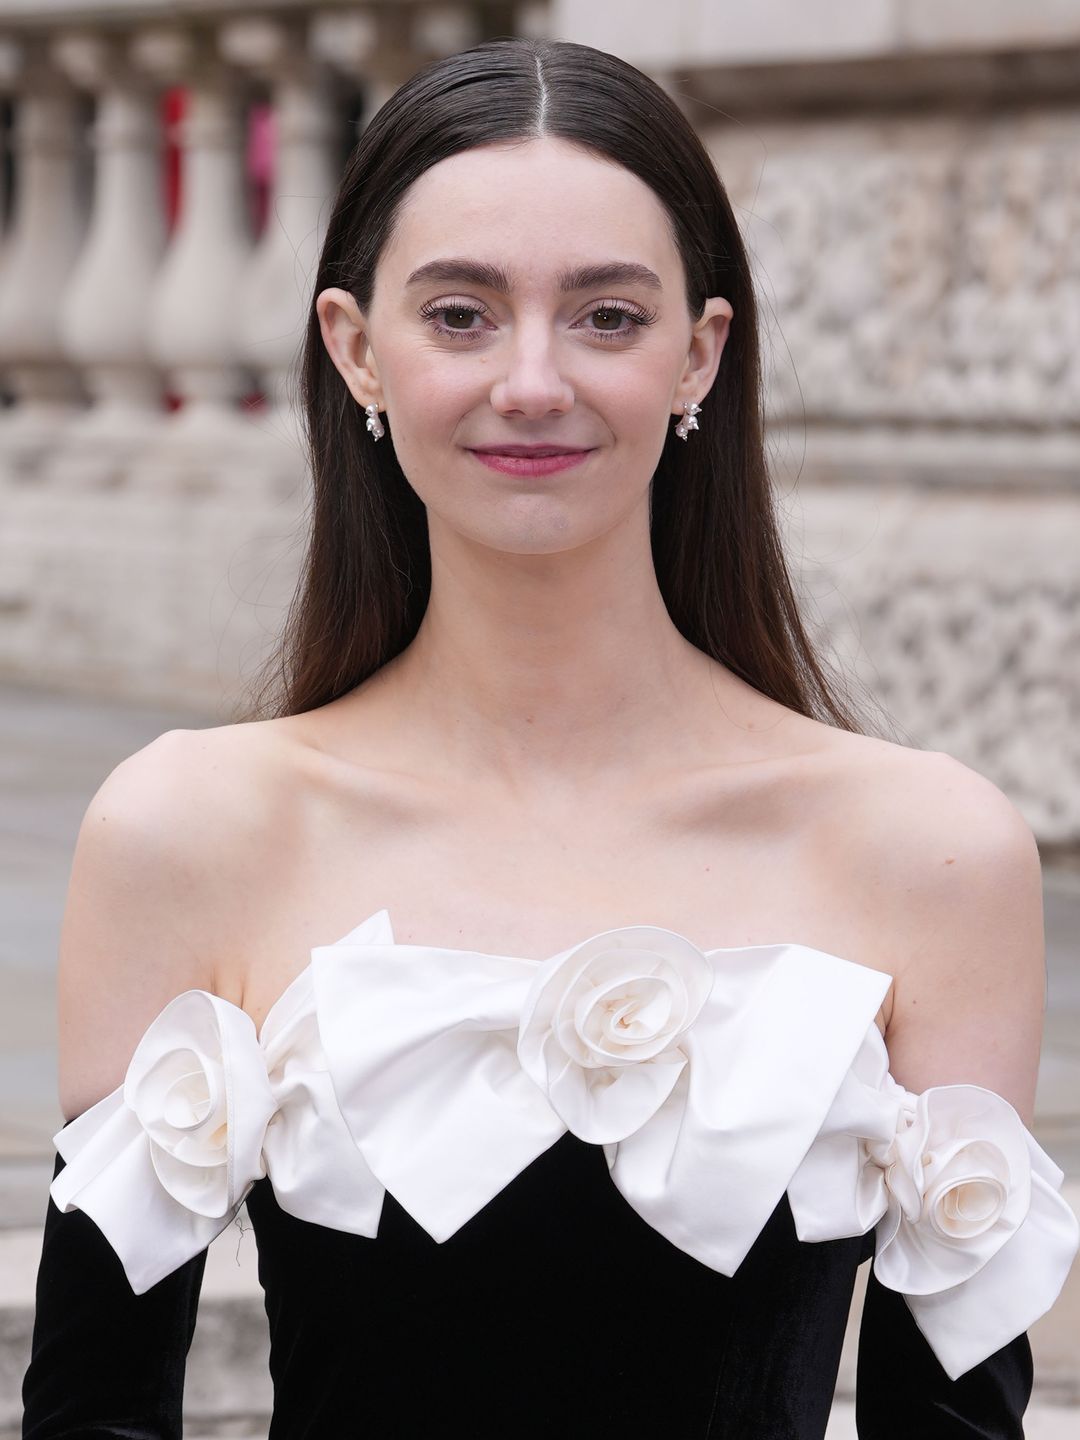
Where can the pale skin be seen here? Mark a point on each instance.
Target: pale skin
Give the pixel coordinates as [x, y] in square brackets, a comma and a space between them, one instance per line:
[549, 758]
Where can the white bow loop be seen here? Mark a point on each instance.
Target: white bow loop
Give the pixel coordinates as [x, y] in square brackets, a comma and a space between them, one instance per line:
[969, 1223]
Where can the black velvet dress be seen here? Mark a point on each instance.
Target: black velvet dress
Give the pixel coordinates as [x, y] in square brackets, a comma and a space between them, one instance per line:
[555, 1312]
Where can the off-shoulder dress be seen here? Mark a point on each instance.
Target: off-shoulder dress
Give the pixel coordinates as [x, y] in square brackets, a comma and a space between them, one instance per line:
[623, 1190]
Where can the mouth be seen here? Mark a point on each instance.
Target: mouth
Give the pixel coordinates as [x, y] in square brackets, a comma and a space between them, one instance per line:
[541, 451]
[529, 459]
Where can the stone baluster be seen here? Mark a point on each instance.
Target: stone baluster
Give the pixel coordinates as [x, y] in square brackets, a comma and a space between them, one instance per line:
[9, 64]
[346, 42]
[9, 58]
[104, 307]
[380, 49]
[48, 224]
[192, 325]
[275, 297]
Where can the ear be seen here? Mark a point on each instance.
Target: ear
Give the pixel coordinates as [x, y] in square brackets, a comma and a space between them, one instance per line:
[344, 332]
[707, 340]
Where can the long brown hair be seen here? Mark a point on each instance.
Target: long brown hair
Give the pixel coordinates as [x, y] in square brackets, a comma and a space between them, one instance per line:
[366, 576]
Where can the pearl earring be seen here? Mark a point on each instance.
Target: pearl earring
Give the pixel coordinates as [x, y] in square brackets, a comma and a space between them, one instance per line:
[374, 424]
[689, 421]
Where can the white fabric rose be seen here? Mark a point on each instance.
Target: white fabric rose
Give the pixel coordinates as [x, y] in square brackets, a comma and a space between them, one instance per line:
[163, 1162]
[970, 1225]
[205, 1149]
[207, 1108]
[958, 1179]
[601, 1023]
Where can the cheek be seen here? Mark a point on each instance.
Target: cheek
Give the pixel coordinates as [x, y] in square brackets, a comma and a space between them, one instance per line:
[634, 413]
[432, 394]
[634, 405]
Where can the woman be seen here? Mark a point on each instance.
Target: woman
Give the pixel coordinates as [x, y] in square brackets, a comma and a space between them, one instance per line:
[676, 995]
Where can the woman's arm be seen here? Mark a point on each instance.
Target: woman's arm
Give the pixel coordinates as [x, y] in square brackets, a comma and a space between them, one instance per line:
[960, 869]
[104, 1361]
[902, 1393]
[139, 928]
[966, 897]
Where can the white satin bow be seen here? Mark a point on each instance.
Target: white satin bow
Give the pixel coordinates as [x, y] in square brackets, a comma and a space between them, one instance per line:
[164, 1162]
[969, 1225]
[454, 1070]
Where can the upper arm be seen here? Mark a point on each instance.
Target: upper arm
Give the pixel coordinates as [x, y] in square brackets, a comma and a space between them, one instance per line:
[147, 906]
[960, 868]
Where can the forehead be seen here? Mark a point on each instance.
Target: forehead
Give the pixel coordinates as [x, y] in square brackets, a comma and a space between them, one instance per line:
[531, 206]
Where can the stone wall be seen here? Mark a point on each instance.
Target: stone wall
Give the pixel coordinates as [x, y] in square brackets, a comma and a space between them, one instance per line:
[919, 279]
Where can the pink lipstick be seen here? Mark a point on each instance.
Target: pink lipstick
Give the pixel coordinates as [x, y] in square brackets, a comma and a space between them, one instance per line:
[530, 459]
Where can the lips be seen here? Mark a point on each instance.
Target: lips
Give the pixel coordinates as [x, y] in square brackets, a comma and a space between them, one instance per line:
[530, 460]
[534, 452]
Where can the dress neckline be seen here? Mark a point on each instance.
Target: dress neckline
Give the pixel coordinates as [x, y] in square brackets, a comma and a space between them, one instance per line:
[381, 918]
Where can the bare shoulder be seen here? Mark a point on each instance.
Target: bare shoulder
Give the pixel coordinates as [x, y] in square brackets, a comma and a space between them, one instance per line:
[921, 824]
[201, 800]
[923, 785]
[948, 868]
[172, 851]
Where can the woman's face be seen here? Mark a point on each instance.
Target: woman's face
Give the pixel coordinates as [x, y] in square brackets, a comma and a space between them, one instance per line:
[530, 295]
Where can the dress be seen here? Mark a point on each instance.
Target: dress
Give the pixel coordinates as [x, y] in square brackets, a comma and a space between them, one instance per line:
[627, 1186]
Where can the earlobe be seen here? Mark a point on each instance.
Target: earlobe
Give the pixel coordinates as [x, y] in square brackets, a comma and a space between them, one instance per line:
[344, 333]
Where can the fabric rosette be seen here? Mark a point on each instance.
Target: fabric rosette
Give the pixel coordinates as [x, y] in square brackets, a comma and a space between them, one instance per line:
[969, 1223]
[601, 1024]
[956, 1179]
[205, 1148]
[208, 1106]
[162, 1164]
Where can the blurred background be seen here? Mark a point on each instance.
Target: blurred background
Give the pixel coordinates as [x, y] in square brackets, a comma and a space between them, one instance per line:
[907, 176]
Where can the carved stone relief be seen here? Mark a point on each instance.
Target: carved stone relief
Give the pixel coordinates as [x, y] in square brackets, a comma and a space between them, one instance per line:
[917, 270]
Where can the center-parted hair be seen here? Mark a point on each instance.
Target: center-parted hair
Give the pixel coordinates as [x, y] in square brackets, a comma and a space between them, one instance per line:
[716, 546]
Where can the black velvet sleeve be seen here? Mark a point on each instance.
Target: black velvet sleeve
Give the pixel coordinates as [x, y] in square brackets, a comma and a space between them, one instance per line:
[104, 1361]
[902, 1393]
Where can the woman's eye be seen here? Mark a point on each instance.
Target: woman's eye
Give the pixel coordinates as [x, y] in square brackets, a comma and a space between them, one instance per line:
[458, 317]
[616, 322]
[456, 321]
[611, 321]
[608, 318]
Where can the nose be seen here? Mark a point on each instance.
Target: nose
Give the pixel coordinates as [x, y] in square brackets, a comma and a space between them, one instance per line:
[531, 383]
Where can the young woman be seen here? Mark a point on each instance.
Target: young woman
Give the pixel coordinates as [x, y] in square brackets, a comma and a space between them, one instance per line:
[663, 996]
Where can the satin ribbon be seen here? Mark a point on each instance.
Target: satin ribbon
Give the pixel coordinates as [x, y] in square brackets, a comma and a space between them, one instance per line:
[969, 1225]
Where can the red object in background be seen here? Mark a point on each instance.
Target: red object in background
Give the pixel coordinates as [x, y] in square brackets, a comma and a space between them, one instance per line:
[173, 104]
[259, 161]
[258, 170]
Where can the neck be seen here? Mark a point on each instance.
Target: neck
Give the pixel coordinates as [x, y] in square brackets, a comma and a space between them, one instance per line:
[538, 669]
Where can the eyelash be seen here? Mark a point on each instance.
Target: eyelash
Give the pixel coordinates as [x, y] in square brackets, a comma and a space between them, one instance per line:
[639, 318]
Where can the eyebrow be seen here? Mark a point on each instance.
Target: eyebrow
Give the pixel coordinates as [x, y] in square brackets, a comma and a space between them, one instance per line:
[494, 277]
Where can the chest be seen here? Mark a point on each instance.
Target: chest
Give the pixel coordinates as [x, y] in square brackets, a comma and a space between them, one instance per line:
[532, 881]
